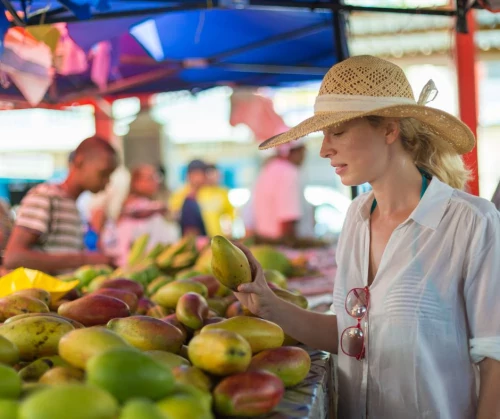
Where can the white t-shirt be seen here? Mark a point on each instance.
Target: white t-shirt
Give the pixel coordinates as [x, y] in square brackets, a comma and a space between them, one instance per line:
[433, 308]
[277, 197]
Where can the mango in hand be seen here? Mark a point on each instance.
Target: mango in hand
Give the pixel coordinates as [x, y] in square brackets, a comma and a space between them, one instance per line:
[229, 264]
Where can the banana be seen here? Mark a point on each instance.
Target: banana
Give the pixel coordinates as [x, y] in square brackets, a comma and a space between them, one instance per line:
[36, 336]
[164, 260]
[136, 253]
[183, 260]
[155, 251]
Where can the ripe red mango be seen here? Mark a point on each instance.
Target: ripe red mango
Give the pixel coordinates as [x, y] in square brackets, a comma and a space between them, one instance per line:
[94, 309]
[143, 305]
[192, 310]
[127, 297]
[249, 393]
[124, 284]
[209, 281]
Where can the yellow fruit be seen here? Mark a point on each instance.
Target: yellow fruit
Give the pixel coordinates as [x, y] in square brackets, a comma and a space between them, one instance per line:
[36, 336]
[9, 353]
[62, 375]
[290, 363]
[184, 374]
[75, 401]
[10, 383]
[229, 264]
[147, 333]
[36, 293]
[183, 406]
[13, 305]
[260, 334]
[78, 346]
[220, 352]
[74, 323]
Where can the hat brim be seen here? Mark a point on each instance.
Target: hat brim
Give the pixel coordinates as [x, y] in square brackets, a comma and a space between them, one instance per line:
[446, 126]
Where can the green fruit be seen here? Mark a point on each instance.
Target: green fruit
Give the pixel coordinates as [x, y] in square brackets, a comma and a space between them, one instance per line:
[128, 373]
[9, 409]
[276, 277]
[168, 295]
[71, 401]
[157, 283]
[168, 359]
[270, 258]
[96, 283]
[9, 353]
[10, 383]
[29, 389]
[138, 249]
[85, 274]
[187, 273]
[141, 409]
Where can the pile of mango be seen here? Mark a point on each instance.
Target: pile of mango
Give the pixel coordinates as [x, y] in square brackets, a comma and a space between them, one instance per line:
[180, 347]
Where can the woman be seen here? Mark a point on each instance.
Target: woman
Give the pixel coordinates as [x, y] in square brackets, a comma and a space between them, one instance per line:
[418, 280]
[141, 214]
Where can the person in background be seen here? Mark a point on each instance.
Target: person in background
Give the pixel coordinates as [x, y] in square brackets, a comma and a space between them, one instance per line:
[280, 212]
[216, 209]
[141, 214]
[184, 204]
[48, 233]
[6, 223]
[141, 202]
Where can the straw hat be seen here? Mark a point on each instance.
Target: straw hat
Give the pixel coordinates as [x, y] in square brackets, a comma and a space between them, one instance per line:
[366, 85]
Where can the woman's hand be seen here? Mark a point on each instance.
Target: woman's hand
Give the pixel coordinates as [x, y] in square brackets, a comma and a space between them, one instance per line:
[256, 296]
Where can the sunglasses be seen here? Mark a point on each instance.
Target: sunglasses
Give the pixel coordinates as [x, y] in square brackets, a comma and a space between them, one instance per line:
[352, 341]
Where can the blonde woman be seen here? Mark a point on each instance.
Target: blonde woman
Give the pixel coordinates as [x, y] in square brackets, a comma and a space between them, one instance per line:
[416, 296]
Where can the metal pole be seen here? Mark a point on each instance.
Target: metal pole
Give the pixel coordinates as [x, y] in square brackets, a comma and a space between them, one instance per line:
[465, 53]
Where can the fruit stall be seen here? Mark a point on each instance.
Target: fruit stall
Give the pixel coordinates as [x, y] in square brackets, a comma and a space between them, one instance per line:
[161, 337]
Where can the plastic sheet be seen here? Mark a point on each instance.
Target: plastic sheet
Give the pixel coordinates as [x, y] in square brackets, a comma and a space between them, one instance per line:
[23, 278]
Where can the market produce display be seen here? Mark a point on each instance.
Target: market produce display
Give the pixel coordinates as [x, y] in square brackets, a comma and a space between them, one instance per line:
[163, 337]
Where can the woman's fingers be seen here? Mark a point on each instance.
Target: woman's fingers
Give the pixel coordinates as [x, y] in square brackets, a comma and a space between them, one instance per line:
[248, 288]
[254, 265]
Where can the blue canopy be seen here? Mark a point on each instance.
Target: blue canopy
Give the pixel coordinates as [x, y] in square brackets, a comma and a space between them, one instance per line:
[159, 50]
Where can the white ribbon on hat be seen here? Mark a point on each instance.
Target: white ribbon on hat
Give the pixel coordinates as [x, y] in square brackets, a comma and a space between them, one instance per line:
[360, 103]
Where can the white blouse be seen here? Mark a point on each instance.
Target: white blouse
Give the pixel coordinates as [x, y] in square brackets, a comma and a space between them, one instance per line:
[434, 308]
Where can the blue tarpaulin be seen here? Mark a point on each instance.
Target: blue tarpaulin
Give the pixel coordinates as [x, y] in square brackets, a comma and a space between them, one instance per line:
[154, 50]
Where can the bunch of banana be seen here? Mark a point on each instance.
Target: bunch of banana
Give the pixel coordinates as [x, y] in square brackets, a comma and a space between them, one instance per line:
[138, 251]
[179, 255]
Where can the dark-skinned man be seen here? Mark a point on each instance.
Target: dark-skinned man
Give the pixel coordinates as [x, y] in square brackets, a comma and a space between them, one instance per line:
[48, 235]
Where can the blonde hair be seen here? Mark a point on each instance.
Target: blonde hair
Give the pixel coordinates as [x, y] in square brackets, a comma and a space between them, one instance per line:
[430, 153]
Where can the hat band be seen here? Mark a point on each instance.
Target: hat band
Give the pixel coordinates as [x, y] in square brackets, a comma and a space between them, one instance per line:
[357, 103]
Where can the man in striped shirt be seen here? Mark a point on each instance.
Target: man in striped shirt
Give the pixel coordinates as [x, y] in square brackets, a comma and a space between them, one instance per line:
[48, 234]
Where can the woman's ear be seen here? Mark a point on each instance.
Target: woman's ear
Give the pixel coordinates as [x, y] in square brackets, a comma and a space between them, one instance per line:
[392, 131]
